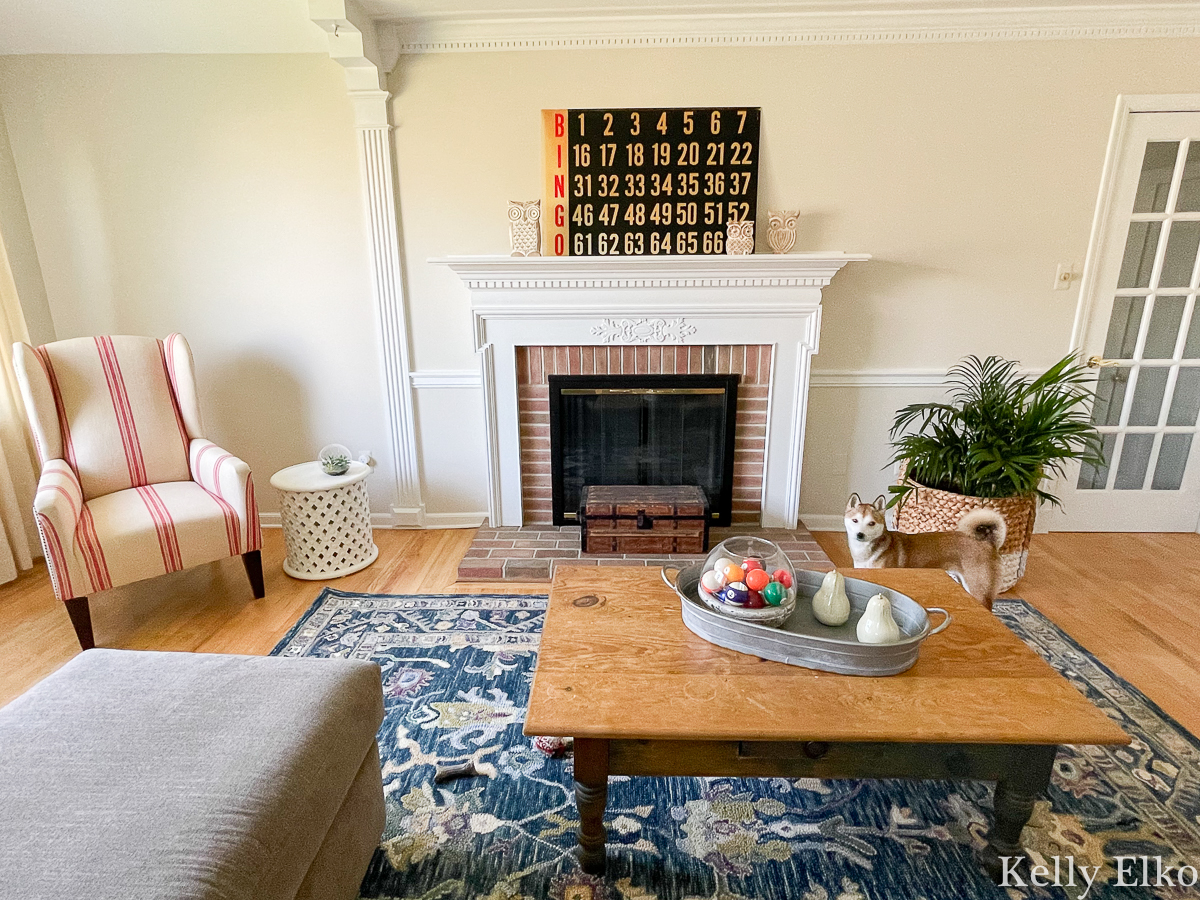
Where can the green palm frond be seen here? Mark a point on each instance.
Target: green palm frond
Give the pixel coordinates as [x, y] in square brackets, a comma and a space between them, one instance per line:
[1002, 434]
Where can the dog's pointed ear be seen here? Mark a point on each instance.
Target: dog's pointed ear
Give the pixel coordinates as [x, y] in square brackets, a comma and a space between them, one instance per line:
[880, 502]
[853, 501]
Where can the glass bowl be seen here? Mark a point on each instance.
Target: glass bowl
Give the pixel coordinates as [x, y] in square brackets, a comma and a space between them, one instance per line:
[334, 459]
[731, 584]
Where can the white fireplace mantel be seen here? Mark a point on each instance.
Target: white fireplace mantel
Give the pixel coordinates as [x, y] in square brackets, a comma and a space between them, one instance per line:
[650, 300]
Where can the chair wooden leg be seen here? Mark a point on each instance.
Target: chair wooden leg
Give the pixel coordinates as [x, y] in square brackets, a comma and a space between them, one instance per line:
[253, 563]
[81, 618]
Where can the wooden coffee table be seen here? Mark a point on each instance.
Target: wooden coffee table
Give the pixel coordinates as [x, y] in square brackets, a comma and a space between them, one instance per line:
[642, 695]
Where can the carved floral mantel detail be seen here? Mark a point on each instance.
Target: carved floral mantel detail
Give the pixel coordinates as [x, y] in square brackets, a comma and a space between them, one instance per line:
[642, 331]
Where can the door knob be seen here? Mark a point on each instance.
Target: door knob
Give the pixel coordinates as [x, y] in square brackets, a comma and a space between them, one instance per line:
[1099, 362]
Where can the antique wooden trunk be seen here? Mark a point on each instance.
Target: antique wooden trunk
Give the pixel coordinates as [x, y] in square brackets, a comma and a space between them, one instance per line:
[620, 518]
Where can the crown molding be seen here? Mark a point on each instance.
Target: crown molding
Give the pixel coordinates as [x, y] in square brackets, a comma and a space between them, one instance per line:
[596, 28]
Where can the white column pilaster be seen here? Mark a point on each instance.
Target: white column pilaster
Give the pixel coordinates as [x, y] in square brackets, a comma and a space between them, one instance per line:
[353, 44]
[375, 158]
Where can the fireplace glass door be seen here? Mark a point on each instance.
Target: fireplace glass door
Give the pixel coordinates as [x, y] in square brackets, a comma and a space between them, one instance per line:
[642, 430]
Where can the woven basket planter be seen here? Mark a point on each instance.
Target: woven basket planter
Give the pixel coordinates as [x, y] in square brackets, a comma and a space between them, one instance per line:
[930, 509]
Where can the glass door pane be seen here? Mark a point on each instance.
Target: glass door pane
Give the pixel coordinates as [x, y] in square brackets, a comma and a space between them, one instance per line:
[1147, 404]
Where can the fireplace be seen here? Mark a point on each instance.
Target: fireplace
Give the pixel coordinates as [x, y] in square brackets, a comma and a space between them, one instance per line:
[754, 315]
[643, 430]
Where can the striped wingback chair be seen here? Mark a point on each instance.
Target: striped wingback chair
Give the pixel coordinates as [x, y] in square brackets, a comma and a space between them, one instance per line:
[130, 488]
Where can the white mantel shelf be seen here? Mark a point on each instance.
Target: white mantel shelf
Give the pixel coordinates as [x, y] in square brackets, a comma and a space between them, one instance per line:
[590, 272]
[770, 299]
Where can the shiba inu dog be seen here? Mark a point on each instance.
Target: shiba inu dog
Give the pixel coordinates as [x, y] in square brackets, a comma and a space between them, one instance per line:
[971, 553]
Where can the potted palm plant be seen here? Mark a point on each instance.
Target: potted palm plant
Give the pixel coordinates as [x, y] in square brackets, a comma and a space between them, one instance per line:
[993, 445]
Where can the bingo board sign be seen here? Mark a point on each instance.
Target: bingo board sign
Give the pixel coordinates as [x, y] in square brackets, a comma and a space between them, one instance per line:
[647, 182]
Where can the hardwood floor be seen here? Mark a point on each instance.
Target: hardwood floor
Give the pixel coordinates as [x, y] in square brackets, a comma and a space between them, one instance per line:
[210, 608]
[1131, 599]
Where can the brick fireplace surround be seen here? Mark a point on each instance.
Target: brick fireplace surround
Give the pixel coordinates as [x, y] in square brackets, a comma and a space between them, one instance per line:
[535, 364]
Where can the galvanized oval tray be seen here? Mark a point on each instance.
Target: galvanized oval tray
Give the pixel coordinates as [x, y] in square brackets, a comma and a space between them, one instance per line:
[802, 640]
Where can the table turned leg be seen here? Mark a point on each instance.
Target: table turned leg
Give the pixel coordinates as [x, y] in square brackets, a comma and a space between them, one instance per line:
[1015, 796]
[591, 796]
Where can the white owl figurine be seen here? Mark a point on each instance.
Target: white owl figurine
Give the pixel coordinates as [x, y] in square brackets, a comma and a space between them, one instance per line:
[525, 227]
[739, 238]
[781, 230]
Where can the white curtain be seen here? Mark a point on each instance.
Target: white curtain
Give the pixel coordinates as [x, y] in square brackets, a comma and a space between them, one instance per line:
[18, 464]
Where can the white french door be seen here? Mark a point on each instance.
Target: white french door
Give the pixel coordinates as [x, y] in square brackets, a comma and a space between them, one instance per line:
[1141, 331]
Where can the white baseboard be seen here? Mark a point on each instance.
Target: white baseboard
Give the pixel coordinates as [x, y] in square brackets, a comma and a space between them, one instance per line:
[814, 522]
[403, 518]
[417, 517]
[378, 520]
[455, 520]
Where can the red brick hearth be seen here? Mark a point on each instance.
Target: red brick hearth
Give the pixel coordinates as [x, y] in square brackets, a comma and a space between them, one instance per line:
[533, 552]
[752, 362]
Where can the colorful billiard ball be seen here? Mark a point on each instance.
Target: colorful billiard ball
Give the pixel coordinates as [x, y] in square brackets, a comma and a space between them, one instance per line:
[734, 573]
[774, 593]
[783, 577]
[735, 594]
[757, 579]
[752, 563]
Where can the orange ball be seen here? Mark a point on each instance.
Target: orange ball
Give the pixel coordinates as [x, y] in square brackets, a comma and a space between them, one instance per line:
[757, 579]
[734, 573]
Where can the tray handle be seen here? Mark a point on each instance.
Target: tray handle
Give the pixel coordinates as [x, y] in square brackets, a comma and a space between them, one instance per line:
[670, 582]
[945, 623]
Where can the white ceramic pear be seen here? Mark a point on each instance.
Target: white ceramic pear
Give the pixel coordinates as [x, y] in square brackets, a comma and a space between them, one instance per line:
[830, 604]
[877, 625]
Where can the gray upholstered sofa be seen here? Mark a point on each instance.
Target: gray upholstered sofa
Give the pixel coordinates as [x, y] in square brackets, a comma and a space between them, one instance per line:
[138, 775]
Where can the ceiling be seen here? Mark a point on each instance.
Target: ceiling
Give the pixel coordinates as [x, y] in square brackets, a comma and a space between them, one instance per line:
[283, 26]
[158, 26]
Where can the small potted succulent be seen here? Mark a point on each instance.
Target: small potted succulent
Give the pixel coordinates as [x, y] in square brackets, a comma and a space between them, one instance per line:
[993, 445]
[334, 459]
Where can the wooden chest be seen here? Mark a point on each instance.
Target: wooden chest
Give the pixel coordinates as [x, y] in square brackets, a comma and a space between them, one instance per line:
[619, 518]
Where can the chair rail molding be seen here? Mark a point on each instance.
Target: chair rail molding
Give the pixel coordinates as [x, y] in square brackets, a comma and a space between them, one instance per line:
[649, 301]
[446, 378]
[353, 43]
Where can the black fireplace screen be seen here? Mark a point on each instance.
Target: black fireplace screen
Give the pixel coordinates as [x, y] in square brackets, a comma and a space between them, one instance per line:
[642, 429]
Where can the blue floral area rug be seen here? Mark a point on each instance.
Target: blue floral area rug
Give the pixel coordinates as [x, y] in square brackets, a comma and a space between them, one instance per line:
[456, 676]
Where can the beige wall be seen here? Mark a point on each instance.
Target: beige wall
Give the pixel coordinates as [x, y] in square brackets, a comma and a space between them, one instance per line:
[18, 243]
[968, 170]
[218, 196]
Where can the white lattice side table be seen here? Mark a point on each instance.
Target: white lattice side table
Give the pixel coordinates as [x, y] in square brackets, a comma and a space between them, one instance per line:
[326, 521]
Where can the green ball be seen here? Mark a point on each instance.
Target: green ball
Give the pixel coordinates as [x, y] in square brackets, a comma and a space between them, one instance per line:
[774, 593]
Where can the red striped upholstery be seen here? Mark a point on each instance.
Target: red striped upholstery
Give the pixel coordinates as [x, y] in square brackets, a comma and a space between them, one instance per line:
[228, 478]
[117, 414]
[129, 487]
